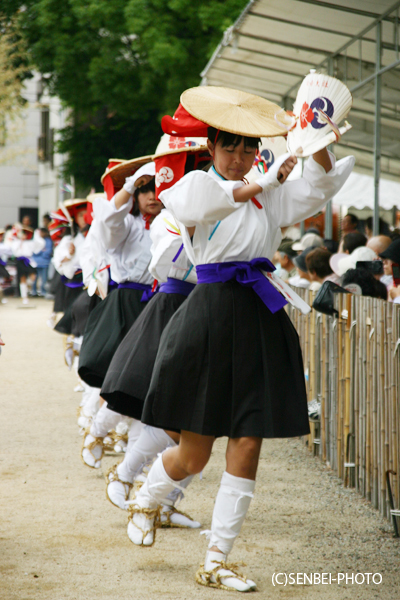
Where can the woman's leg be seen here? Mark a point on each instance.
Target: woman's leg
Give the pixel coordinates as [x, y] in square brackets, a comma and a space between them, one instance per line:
[231, 505]
[188, 458]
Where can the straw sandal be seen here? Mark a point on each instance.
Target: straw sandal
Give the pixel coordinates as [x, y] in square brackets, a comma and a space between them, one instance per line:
[150, 514]
[111, 477]
[97, 442]
[213, 578]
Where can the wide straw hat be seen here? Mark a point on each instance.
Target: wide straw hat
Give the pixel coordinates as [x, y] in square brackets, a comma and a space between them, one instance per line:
[125, 169]
[236, 111]
[170, 144]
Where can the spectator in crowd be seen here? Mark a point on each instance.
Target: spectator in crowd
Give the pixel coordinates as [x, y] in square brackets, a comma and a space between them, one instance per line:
[353, 240]
[42, 260]
[390, 257]
[285, 257]
[318, 267]
[46, 220]
[367, 283]
[302, 277]
[26, 221]
[307, 241]
[368, 227]
[379, 243]
[349, 224]
[340, 263]
[331, 245]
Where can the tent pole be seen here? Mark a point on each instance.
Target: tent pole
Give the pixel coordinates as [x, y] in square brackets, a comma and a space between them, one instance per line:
[377, 136]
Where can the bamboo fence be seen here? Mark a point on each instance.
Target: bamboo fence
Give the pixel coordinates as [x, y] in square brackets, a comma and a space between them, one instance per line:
[352, 366]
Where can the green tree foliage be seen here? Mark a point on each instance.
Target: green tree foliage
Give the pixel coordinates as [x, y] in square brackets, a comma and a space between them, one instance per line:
[119, 65]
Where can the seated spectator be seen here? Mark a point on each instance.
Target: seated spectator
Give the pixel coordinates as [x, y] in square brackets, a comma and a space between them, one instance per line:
[379, 243]
[349, 224]
[366, 281]
[318, 267]
[351, 241]
[302, 278]
[340, 263]
[368, 227]
[286, 255]
[307, 241]
[42, 260]
[391, 256]
[331, 245]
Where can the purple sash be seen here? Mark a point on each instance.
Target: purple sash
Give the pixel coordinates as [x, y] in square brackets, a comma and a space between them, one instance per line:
[176, 286]
[112, 285]
[3, 263]
[132, 285]
[25, 260]
[71, 283]
[247, 274]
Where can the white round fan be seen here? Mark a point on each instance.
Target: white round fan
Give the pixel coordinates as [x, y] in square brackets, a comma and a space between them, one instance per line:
[321, 104]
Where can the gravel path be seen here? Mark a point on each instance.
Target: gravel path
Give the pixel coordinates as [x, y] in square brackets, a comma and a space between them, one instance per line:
[60, 539]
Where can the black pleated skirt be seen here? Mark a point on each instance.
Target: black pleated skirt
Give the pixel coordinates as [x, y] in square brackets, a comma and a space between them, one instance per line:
[65, 296]
[227, 366]
[128, 377]
[24, 270]
[75, 317]
[106, 327]
[4, 273]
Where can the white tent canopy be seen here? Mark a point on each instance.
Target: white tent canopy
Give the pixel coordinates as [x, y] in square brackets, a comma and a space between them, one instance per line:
[358, 192]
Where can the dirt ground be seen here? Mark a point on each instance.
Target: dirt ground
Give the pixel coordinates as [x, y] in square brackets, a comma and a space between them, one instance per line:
[60, 539]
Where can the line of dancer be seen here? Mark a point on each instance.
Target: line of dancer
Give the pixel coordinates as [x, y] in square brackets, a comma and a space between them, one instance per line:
[182, 333]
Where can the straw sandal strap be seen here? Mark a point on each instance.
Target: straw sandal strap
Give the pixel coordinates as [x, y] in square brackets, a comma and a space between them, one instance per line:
[96, 442]
[168, 522]
[204, 577]
[151, 513]
[113, 471]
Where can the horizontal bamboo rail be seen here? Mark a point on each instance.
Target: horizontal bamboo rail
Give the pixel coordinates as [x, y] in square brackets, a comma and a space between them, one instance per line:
[352, 366]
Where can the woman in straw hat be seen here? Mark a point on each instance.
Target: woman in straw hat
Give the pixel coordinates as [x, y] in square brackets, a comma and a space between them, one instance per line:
[127, 239]
[23, 243]
[222, 364]
[67, 254]
[128, 377]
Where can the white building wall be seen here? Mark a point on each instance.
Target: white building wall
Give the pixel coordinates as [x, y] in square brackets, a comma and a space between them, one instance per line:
[19, 177]
[25, 182]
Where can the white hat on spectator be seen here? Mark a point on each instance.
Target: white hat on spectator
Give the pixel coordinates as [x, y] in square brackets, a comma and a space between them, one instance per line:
[308, 240]
[349, 262]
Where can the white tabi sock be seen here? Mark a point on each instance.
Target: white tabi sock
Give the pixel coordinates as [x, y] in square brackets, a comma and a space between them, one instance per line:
[153, 493]
[23, 288]
[231, 505]
[151, 442]
[104, 421]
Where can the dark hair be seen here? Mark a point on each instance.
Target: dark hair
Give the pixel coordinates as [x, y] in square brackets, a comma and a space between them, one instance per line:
[231, 139]
[353, 218]
[46, 216]
[331, 245]
[353, 240]
[45, 231]
[144, 189]
[394, 235]
[367, 282]
[318, 261]
[383, 226]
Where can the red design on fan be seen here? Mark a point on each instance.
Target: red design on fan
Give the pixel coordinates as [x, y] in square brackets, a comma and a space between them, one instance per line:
[306, 115]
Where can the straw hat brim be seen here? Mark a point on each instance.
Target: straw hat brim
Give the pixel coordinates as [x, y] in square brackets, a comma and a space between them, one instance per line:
[127, 168]
[75, 202]
[179, 150]
[235, 111]
[92, 197]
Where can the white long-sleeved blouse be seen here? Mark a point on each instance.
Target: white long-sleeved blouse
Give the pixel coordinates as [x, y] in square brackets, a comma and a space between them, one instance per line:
[167, 242]
[126, 240]
[232, 231]
[73, 262]
[28, 247]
